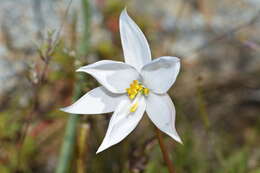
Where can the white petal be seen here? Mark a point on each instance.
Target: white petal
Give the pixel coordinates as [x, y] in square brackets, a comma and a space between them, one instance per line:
[123, 122]
[96, 101]
[161, 73]
[113, 75]
[135, 46]
[161, 111]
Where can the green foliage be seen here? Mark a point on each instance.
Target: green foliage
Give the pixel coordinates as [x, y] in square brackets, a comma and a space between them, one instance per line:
[155, 165]
[4, 169]
[236, 163]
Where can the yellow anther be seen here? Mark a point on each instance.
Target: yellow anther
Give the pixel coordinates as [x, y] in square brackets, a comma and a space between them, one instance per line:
[134, 107]
[132, 96]
[135, 88]
[146, 91]
[141, 87]
[132, 91]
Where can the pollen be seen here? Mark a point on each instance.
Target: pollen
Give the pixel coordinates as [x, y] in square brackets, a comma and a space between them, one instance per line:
[134, 107]
[135, 88]
[146, 91]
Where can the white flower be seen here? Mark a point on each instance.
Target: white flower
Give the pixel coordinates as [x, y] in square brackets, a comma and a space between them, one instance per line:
[129, 89]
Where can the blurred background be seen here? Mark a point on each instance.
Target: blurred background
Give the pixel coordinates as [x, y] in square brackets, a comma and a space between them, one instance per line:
[217, 94]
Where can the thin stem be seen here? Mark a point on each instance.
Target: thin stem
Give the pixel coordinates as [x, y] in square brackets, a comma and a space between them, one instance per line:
[68, 146]
[164, 151]
[82, 148]
[68, 143]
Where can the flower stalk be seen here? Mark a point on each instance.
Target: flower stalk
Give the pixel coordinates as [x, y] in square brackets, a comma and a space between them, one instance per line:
[164, 151]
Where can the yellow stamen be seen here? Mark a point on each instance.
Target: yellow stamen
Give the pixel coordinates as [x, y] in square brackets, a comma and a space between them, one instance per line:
[135, 88]
[134, 107]
[132, 91]
[132, 96]
[135, 82]
[146, 91]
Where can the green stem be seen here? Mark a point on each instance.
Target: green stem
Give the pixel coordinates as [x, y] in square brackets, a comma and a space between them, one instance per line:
[68, 146]
[67, 149]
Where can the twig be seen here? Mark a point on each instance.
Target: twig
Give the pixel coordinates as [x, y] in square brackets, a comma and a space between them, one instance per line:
[24, 131]
[46, 59]
[61, 26]
[164, 151]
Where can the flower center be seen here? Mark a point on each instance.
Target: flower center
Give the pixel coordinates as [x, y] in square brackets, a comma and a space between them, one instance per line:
[136, 88]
